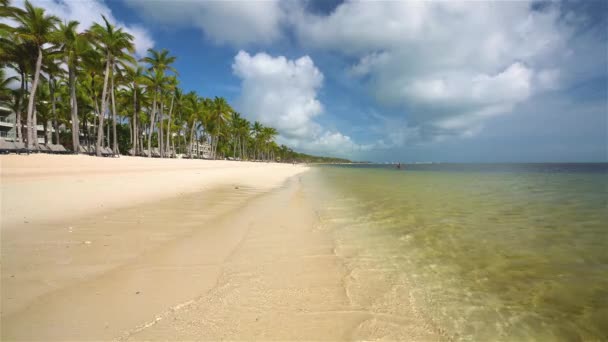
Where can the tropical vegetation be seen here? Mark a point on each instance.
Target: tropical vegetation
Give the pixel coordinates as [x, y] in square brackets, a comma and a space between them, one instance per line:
[88, 91]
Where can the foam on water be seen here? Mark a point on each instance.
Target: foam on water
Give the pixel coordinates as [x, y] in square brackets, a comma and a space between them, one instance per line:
[501, 254]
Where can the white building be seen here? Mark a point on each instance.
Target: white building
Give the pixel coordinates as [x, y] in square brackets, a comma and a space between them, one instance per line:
[7, 126]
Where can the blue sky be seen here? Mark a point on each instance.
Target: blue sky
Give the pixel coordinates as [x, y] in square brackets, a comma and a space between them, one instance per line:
[393, 81]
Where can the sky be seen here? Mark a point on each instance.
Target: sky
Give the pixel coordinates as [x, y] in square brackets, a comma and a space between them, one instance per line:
[510, 81]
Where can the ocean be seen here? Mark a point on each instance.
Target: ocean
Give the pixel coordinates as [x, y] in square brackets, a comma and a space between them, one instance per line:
[475, 251]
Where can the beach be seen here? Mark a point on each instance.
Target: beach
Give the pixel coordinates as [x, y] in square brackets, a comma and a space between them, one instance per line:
[132, 249]
[135, 249]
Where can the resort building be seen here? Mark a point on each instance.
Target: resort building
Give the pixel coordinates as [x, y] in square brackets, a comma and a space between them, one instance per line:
[201, 150]
[7, 126]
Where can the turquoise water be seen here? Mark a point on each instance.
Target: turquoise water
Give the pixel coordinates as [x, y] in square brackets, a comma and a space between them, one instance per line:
[478, 252]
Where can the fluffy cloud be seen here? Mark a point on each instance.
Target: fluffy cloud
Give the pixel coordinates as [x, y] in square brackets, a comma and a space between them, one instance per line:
[89, 12]
[232, 22]
[283, 93]
[448, 65]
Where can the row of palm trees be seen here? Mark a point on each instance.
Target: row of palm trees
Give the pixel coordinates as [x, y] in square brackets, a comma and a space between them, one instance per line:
[85, 84]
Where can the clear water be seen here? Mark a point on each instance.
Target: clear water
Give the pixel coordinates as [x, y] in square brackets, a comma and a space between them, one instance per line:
[480, 252]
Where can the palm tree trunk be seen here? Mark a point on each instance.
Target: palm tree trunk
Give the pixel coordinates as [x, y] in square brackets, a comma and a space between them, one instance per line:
[108, 136]
[169, 123]
[31, 130]
[74, 105]
[95, 119]
[191, 138]
[140, 133]
[54, 109]
[151, 125]
[234, 148]
[159, 136]
[135, 119]
[35, 127]
[103, 108]
[114, 135]
[17, 124]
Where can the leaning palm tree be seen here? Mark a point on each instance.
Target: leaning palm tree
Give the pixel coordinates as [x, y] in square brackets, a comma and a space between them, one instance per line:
[113, 42]
[35, 28]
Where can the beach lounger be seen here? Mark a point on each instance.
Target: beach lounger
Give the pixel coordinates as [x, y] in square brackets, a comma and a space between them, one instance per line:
[57, 149]
[20, 147]
[83, 149]
[107, 152]
[42, 148]
[7, 147]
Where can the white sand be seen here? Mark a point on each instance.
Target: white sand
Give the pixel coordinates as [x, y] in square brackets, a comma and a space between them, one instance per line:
[43, 188]
[180, 250]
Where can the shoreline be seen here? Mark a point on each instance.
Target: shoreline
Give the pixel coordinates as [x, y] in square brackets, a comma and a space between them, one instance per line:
[241, 256]
[54, 261]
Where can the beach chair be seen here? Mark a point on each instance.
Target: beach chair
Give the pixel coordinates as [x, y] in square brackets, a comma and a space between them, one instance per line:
[107, 152]
[7, 147]
[57, 149]
[20, 147]
[42, 148]
[83, 149]
[155, 152]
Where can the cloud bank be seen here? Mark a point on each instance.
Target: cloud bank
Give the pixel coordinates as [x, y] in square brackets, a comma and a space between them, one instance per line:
[231, 22]
[450, 66]
[283, 93]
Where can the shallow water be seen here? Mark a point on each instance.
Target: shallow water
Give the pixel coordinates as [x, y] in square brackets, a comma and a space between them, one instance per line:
[500, 252]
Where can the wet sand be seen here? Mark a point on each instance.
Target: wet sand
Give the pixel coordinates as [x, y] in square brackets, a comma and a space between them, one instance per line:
[229, 262]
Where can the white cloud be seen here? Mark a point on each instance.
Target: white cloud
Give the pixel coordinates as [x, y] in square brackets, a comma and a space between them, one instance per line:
[283, 93]
[89, 12]
[232, 22]
[449, 65]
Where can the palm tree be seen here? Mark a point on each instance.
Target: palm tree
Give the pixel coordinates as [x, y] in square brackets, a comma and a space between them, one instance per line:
[52, 70]
[113, 42]
[17, 55]
[73, 46]
[194, 109]
[134, 77]
[267, 137]
[43, 108]
[36, 28]
[175, 97]
[220, 115]
[159, 62]
[156, 80]
[256, 130]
